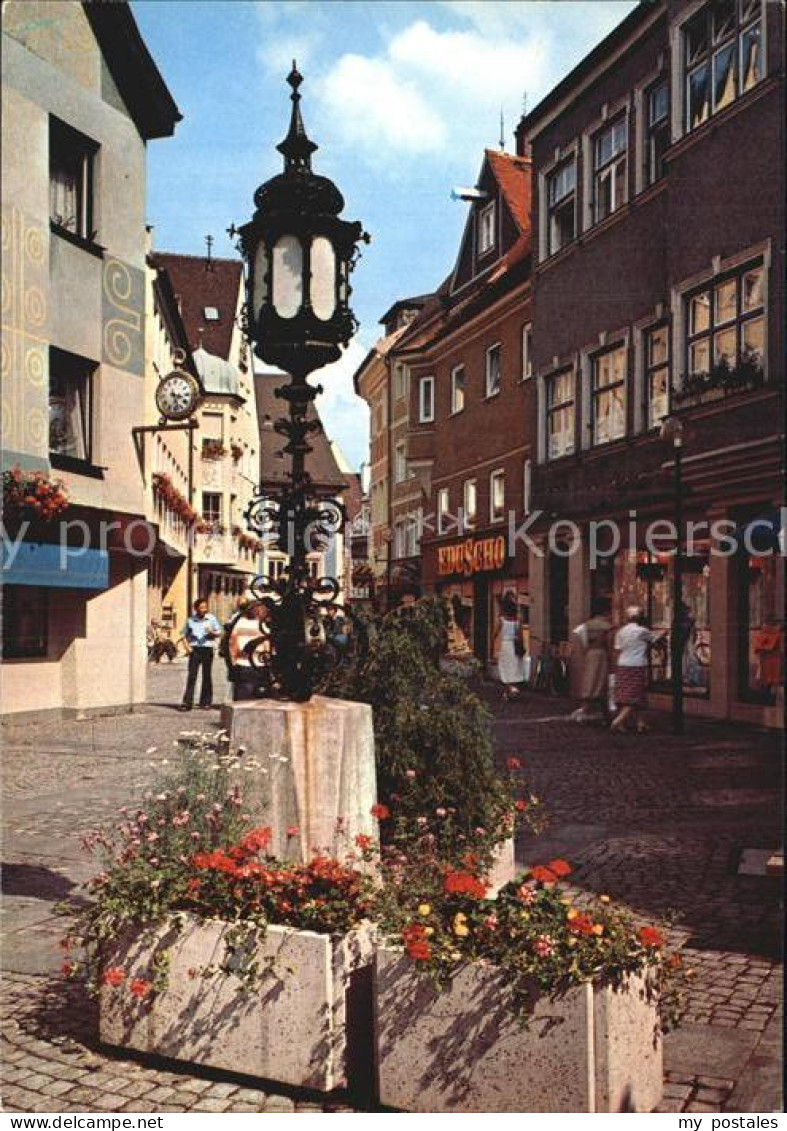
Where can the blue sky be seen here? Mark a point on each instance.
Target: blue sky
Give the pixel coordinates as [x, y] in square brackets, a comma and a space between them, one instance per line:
[401, 96]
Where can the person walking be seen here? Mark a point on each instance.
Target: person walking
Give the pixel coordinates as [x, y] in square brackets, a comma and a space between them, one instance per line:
[595, 639]
[632, 643]
[200, 632]
[508, 646]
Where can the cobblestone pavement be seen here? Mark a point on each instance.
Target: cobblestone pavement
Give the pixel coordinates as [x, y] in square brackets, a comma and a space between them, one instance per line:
[657, 822]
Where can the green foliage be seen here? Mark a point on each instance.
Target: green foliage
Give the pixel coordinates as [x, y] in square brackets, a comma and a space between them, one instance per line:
[432, 733]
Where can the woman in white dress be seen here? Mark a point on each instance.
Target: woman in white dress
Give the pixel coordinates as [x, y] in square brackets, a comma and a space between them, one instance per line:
[508, 640]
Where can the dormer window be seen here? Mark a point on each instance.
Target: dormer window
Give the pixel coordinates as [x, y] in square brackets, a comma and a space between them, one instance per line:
[486, 229]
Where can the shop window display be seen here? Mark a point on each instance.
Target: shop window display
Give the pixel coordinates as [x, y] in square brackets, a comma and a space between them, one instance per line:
[762, 629]
[645, 579]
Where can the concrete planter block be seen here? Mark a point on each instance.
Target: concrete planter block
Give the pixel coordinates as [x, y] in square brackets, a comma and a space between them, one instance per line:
[463, 1050]
[306, 1024]
[503, 868]
[320, 771]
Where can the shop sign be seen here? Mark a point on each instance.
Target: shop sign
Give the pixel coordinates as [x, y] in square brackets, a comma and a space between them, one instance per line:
[474, 555]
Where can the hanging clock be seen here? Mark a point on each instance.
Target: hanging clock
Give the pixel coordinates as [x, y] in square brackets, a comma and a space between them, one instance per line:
[178, 394]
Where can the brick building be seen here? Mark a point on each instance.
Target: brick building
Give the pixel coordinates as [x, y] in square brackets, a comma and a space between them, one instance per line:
[658, 229]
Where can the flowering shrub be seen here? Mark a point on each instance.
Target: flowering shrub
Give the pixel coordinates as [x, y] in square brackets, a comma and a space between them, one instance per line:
[32, 495]
[190, 848]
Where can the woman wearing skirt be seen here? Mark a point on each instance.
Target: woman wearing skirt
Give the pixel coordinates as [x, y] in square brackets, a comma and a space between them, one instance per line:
[631, 674]
[510, 661]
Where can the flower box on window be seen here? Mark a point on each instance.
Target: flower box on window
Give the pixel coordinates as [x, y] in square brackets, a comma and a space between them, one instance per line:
[721, 381]
[213, 449]
[306, 1017]
[595, 1048]
[31, 496]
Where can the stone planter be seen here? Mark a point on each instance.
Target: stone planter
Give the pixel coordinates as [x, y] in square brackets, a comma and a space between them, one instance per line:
[463, 1050]
[306, 1024]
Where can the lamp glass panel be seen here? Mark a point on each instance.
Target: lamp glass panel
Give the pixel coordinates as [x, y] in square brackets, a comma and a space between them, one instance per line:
[323, 280]
[287, 276]
[260, 284]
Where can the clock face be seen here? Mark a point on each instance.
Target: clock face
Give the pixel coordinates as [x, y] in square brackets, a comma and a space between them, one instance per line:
[177, 396]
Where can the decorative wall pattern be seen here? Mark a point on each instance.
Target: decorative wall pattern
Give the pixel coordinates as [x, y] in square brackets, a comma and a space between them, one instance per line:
[123, 314]
[24, 358]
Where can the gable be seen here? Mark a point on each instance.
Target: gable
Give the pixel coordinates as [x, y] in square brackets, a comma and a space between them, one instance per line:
[505, 181]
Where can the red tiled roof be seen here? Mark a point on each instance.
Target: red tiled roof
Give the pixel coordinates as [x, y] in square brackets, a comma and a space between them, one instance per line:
[196, 288]
[513, 175]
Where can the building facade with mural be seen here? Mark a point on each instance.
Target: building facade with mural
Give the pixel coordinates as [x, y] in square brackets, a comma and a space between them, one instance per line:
[81, 99]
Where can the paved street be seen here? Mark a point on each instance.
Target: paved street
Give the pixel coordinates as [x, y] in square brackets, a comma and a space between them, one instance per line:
[659, 823]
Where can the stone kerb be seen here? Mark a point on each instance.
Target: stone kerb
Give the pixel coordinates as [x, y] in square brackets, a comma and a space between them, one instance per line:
[293, 1027]
[321, 776]
[464, 1050]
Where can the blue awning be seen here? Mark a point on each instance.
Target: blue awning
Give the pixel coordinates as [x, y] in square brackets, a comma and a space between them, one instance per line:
[54, 566]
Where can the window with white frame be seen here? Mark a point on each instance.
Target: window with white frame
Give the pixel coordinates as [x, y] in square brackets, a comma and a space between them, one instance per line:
[497, 496]
[610, 165]
[211, 507]
[561, 206]
[657, 381]
[70, 405]
[401, 380]
[443, 509]
[470, 503]
[71, 176]
[657, 138]
[494, 370]
[400, 462]
[400, 539]
[527, 352]
[726, 324]
[412, 535]
[560, 414]
[486, 229]
[608, 396]
[426, 400]
[457, 388]
[722, 57]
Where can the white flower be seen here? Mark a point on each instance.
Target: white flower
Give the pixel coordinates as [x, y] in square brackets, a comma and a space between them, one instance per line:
[151, 750]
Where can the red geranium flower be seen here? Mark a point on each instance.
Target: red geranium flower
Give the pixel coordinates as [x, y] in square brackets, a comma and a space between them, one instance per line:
[581, 925]
[650, 937]
[514, 764]
[364, 842]
[550, 873]
[114, 976]
[520, 805]
[381, 812]
[67, 969]
[258, 839]
[141, 987]
[464, 883]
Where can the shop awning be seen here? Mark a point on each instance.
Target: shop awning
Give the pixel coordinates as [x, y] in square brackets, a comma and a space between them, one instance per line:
[53, 566]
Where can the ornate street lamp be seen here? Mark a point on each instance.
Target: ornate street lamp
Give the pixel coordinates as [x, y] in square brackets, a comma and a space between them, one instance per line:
[300, 255]
[672, 433]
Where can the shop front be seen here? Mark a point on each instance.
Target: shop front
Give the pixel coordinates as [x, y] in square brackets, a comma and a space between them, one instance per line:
[473, 574]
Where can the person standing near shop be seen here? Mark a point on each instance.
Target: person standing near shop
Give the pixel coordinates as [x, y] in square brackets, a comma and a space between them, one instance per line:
[594, 636]
[510, 652]
[200, 632]
[631, 675]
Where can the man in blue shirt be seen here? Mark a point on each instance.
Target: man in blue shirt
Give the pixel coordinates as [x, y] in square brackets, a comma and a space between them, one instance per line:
[201, 632]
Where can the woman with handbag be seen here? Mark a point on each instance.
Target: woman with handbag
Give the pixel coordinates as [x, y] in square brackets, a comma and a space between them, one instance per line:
[509, 647]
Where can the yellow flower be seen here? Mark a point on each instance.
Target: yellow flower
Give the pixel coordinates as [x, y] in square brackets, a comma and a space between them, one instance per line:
[455, 956]
[461, 928]
[598, 929]
[603, 899]
[567, 901]
[572, 940]
[424, 909]
[428, 931]
[572, 913]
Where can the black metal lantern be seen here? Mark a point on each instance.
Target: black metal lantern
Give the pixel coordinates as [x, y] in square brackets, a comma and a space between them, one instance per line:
[299, 256]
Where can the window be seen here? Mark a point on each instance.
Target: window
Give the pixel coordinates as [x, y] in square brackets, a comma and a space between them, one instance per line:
[493, 370]
[70, 405]
[722, 57]
[658, 131]
[457, 388]
[527, 352]
[610, 164]
[399, 539]
[470, 503]
[443, 509]
[726, 325]
[608, 407]
[656, 375]
[211, 314]
[497, 496]
[400, 462]
[211, 507]
[25, 622]
[71, 172]
[560, 414]
[401, 381]
[486, 229]
[561, 201]
[426, 400]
